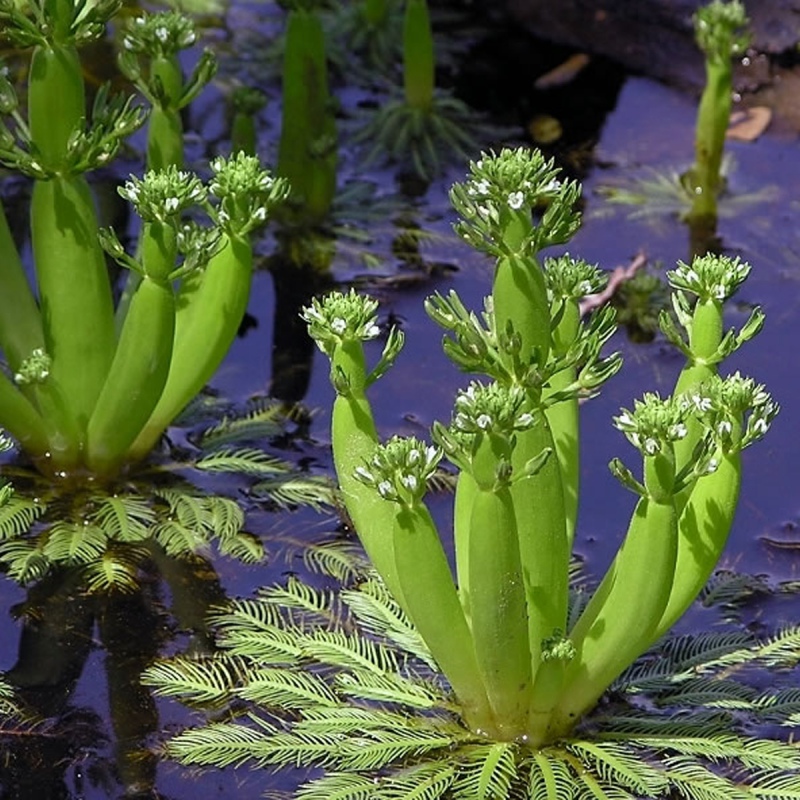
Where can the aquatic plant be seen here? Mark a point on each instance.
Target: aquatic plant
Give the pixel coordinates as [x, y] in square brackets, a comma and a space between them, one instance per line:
[721, 33]
[485, 681]
[150, 45]
[307, 151]
[424, 127]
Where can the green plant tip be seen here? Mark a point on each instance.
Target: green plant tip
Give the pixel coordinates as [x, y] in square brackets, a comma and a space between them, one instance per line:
[491, 408]
[710, 277]
[573, 278]
[338, 318]
[720, 29]
[163, 194]
[400, 470]
[163, 34]
[654, 423]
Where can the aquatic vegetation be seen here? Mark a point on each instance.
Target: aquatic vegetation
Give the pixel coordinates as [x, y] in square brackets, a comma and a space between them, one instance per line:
[84, 396]
[424, 127]
[150, 45]
[103, 533]
[721, 33]
[501, 680]
[307, 151]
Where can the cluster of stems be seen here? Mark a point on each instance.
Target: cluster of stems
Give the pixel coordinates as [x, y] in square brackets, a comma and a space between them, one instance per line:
[521, 665]
[720, 31]
[86, 395]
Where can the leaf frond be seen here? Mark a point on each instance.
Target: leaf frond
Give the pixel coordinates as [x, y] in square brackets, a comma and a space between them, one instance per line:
[243, 461]
[206, 682]
[389, 687]
[261, 420]
[17, 516]
[317, 492]
[125, 518]
[219, 744]
[288, 689]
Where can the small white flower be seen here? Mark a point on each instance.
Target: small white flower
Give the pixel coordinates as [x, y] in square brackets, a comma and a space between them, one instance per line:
[260, 214]
[338, 325]
[364, 473]
[651, 446]
[678, 431]
[162, 34]
[409, 481]
[484, 422]
[171, 204]
[713, 464]
[701, 403]
[515, 200]
[761, 426]
[372, 331]
[385, 489]
[724, 428]
[525, 420]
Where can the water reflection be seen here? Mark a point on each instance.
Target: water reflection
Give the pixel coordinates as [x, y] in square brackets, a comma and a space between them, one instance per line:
[63, 627]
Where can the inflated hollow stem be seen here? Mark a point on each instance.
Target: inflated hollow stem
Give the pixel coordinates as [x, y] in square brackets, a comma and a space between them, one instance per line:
[498, 608]
[74, 289]
[432, 603]
[419, 60]
[141, 364]
[563, 417]
[703, 529]
[307, 155]
[165, 128]
[617, 625]
[520, 302]
[210, 306]
[713, 117]
[705, 336]
[354, 439]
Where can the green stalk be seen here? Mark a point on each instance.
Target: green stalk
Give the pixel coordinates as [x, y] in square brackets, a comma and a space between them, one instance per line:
[419, 60]
[703, 530]
[498, 610]
[375, 12]
[634, 602]
[563, 417]
[466, 489]
[210, 307]
[617, 625]
[75, 294]
[307, 149]
[20, 322]
[705, 336]
[433, 606]
[141, 364]
[20, 418]
[165, 128]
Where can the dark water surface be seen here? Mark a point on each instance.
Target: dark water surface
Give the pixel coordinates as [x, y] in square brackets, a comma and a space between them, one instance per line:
[651, 126]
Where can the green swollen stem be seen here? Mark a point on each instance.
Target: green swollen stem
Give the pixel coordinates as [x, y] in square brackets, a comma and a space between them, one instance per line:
[633, 601]
[563, 417]
[498, 610]
[703, 530]
[20, 418]
[543, 545]
[56, 101]
[466, 488]
[354, 440]
[165, 128]
[705, 335]
[713, 117]
[209, 309]
[375, 12]
[75, 295]
[419, 60]
[307, 149]
[141, 364]
[20, 321]
[433, 606]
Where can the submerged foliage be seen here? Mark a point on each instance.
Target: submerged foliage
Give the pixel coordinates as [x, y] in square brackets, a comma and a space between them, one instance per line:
[108, 530]
[340, 679]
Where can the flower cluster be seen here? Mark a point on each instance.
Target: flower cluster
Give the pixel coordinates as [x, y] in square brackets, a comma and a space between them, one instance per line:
[162, 34]
[34, 369]
[572, 278]
[503, 187]
[491, 408]
[247, 191]
[654, 422]
[720, 29]
[738, 410]
[339, 317]
[164, 194]
[400, 469]
[710, 277]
